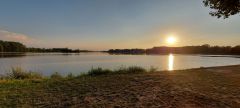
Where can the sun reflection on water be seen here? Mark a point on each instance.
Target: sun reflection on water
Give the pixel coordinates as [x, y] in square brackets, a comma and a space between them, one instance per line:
[170, 62]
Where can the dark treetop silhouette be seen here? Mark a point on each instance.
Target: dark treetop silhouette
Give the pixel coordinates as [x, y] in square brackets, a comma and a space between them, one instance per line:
[223, 8]
[8, 46]
[203, 49]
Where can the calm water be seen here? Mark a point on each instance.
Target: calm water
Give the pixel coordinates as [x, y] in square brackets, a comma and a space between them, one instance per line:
[76, 63]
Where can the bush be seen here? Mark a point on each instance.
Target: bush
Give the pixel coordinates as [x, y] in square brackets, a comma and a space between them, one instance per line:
[56, 75]
[19, 73]
[121, 70]
[153, 69]
[98, 71]
[132, 69]
[135, 69]
[70, 75]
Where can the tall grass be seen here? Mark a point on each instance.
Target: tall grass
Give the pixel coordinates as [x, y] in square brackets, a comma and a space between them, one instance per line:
[130, 70]
[98, 71]
[121, 70]
[56, 75]
[153, 69]
[19, 73]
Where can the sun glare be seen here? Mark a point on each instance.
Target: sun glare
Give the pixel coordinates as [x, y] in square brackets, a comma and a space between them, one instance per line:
[170, 62]
[171, 40]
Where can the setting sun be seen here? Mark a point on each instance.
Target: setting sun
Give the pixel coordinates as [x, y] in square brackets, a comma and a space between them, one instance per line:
[120, 53]
[171, 40]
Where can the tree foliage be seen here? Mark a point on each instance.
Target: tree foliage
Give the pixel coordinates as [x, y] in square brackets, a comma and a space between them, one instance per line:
[1, 48]
[60, 50]
[223, 8]
[202, 49]
[7, 46]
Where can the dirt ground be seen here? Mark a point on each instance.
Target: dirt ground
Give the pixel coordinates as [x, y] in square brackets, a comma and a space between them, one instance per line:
[215, 87]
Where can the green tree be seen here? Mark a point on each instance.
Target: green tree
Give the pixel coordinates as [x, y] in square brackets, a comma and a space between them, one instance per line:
[223, 8]
[7, 46]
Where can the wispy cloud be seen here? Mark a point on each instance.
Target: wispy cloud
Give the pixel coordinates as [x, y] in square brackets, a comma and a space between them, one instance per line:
[18, 37]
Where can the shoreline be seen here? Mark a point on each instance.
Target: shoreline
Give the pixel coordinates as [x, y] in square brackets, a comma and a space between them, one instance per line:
[210, 87]
[111, 71]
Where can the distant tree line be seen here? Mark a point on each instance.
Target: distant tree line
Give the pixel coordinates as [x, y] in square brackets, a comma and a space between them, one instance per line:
[8, 46]
[60, 50]
[127, 51]
[202, 49]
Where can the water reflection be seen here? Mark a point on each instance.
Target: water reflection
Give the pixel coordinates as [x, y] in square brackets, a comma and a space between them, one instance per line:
[48, 63]
[170, 62]
[8, 55]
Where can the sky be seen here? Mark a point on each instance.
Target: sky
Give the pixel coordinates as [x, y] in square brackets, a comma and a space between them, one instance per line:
[106, 24]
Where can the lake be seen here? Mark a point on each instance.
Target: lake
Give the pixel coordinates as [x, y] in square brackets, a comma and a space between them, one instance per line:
[48, 63]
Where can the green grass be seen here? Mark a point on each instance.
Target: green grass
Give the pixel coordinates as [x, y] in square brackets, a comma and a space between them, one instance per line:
[98, 71]
[19, 73]
[19, 88]
[121, 70]
[208, 88]
[56, 75]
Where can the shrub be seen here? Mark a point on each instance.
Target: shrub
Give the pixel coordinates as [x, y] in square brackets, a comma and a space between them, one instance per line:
[132, 69]
[19, 73]
[70, 75]
[121, 70]
[135, 69]
[98, 71]
[153, 69]
[56, 75]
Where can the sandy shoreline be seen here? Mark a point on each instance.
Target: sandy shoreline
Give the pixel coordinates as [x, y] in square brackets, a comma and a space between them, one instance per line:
[211, 87]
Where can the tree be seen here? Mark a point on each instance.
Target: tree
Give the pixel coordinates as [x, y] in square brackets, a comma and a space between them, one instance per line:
[1, 48]
[223, 8]
[7, 46]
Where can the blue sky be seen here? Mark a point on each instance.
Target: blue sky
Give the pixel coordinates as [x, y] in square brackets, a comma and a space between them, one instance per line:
[104, 24]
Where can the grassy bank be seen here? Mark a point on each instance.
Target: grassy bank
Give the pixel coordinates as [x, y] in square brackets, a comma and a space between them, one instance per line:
[21, 74]
[204, 87]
